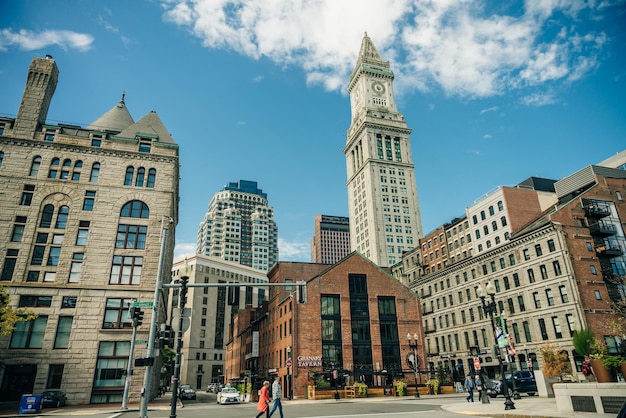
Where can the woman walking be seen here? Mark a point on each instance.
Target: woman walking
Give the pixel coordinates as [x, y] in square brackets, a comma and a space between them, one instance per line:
[264, 400]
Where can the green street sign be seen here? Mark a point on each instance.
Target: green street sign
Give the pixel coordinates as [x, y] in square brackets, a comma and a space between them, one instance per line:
[143, 304]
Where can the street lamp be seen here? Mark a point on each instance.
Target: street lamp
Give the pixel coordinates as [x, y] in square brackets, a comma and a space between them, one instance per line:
[529, 361]
[413, 359]
[475, 351]
[516, 394]
[490, 308]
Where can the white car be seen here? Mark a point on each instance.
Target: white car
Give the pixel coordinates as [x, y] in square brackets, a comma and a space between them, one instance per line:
[228, 396]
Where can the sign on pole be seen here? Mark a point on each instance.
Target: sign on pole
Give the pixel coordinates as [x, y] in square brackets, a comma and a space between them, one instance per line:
[288, 363]
[142, 304]
[476, 363]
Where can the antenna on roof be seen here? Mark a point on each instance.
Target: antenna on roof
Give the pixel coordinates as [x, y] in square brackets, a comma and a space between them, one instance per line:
[123, 95]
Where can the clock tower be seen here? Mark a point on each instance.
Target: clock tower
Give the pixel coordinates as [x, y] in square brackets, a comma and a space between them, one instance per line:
[382, 195]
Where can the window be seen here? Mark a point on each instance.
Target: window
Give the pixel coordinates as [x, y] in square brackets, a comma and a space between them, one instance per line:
[141, 174]
[571, 325]
[29, 334]
[550, 297]
[1, 152]
[65, 169]
[27, 195]
[557, 327]
[54, 168]
[89, 201]
[507, 285]
[131, 236]
[76, 267]
[512, 259]
[494, 225]
[551, 246]
[126, 270]
[35, 301]
[34, 167]
[76, 173]
[544, 271]
[537, 300]
[128, 178]
[542, 329]
[64, 213]
[516, 333]
[8, 266]
[527, 334]
[598, 295]
[500, 206]
[95, 173]
[503, 221]
[593, 270]
[516, 281]
[557, 267]
[53, 256]
[49, 134]
[511, 305]
[135, 209]
[46, 216]
[68, 302]
[144, 145]
[81, 237]
[538, 250]
[526, 254]
[64, 330]
[151, 178]
[520, 302]
[482, 215]
[116, 314]
[563, 292]
[18, 229]
[491, 211]
[55, 376]
[110, 369]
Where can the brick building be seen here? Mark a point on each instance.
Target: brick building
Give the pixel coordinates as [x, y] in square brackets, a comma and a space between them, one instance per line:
[355, 321]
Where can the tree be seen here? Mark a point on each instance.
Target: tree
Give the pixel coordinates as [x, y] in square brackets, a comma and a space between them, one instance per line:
[584, 342]
[555, 361]
[9, 316]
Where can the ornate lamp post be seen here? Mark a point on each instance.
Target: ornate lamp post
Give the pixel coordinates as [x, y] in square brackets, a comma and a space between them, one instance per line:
[413, 359]
[490, 308]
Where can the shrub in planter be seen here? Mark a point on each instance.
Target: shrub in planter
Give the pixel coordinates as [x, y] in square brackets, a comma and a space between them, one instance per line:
[361, 388]
[555, 361]
[400, 385]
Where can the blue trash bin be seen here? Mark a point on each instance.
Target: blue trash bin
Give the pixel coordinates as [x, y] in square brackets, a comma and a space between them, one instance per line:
[31, 404]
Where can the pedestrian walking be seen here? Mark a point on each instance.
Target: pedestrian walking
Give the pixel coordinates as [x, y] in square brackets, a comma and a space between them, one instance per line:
[479, 387]
[469, 385]
[264, 401]
[277, 395]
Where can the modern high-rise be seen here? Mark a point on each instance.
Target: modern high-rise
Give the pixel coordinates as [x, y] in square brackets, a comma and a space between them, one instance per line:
[383, 206]
[331, 240]
[239, 226]
[84, 218]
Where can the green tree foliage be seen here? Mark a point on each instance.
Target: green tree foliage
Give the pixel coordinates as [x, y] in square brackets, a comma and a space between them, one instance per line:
[9, 316]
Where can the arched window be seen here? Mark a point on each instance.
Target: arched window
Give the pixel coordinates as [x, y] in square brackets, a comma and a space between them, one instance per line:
[135, 209]
[76, 173]
[65, 170]
[54, 167]
[95, 173]
[151, 178]
[34, 166]
[46, 216]
[503, 220]
[64, 212]
[128, 179]
[141, 173]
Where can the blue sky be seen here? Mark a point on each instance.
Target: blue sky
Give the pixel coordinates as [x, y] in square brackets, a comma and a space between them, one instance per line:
[494, 91]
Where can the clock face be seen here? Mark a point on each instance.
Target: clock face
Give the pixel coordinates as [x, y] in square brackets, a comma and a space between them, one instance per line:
[378, 87]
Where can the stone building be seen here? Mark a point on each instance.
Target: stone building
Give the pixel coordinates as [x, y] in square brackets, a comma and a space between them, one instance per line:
[331, 239]
[561, 271]
[355, 321]
[84, 214]
[211, 315]
[385, 219]
[239, 226]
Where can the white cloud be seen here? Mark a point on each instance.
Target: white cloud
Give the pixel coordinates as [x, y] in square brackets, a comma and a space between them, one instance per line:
[184, 248]
[30, 41]
[453, 45]
[487, 136]
[539, 99]
[490, 109]
[293, 250]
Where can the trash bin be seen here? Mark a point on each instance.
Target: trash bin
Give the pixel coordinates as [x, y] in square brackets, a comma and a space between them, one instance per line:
[30, 404]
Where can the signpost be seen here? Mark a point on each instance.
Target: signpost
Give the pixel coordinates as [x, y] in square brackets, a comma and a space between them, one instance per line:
[476, 363]
[143, 304]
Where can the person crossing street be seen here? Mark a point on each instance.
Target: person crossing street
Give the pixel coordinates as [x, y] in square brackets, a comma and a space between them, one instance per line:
[277, 394]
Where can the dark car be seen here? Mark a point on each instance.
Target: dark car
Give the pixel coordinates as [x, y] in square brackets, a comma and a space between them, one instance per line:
[524, 383]
[54, 398]
[622, 412]
[188, 393]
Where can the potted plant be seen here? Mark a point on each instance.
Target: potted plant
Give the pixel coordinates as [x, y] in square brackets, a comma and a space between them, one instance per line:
[433, 386]
[555, 361]
[361, 388]
[583, 341]
[602, 373]
[400, 385]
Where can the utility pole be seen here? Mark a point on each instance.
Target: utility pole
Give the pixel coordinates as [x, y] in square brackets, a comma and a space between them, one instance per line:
[179, 344]
[131, 355]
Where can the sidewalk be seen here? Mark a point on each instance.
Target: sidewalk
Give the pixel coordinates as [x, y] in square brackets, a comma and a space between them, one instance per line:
[527, 407]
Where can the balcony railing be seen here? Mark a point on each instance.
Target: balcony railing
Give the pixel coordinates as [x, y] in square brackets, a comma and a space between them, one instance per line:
[608, 252]
[595, 211]
[602, 228]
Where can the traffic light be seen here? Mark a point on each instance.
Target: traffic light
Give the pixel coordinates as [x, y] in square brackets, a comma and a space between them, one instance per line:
[301, 292]
[166, 337]
[138, 316]
[233, 295]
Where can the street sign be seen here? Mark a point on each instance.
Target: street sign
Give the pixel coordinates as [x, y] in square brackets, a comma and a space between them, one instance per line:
[143, 304]
[476, 363]
[529, 363]
[288, 363]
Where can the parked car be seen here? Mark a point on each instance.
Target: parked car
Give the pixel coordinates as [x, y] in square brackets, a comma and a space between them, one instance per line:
[228, 395]
[622, 412]
[524, 383]
[188, 393]
[54, 398]
[214, 387]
